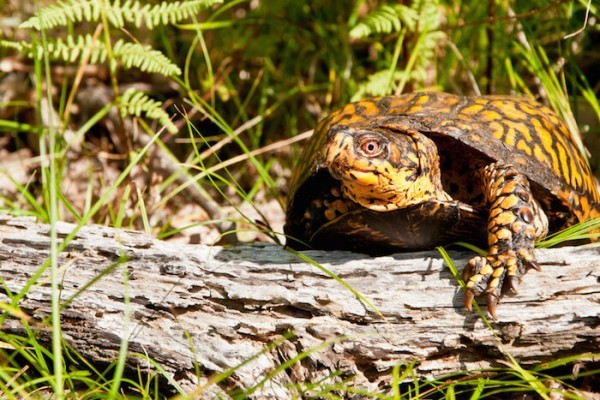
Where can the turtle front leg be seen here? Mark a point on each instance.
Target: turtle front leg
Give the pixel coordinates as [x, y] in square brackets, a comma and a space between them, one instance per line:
[515, 221]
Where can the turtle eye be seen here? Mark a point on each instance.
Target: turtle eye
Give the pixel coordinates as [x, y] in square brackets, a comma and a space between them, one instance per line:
[371, 147]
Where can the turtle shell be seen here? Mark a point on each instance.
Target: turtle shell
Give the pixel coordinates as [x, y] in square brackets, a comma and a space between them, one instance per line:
[510, 130]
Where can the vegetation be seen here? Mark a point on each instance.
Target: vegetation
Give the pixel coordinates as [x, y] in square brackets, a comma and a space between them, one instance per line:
[178, 118]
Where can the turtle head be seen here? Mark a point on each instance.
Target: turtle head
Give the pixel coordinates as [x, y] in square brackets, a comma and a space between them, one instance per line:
[383, 169]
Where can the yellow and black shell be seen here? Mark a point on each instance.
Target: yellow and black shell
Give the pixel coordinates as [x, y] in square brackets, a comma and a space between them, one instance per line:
[468, 133]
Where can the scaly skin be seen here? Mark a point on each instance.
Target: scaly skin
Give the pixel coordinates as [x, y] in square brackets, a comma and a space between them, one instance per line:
[516, 220]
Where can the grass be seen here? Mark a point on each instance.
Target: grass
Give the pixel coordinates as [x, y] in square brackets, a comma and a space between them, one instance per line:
[252, 76]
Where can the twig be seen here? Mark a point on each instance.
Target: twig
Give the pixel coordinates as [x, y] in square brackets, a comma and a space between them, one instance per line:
[585, 21]
[493, 20]
[271, 147]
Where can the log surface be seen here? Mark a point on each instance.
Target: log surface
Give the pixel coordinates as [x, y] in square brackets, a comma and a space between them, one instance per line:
[230, 303]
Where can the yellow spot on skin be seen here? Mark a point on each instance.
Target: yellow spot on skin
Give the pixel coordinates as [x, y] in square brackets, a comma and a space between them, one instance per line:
[517, 227]
[510, 137]
[497, 130]
[495, 212]
[508, 109]
[370, 108]
[366, 178]
[506, 218]
[523, 130]
[422, 100]
[510, 186]
[452, 100]
[492, 240]
[584, 203]
[400, 106]
[588, 181]
[493, 285]
[509, 202]
[564, 161]
[487, 269]
[504, 234]
[490, 115]
[539, 154]
[512, 270]
[553, 119]
[530, 111]
[495, 189]
[547, 142]
[524, 147]
[472, 110]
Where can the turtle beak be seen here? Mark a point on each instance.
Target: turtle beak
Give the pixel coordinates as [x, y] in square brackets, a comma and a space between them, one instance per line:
[334, 157]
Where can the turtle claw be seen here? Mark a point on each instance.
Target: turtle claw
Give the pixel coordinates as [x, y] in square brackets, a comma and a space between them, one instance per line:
[534, 265]
[492, 303]
[469, 296]
[496, 274]
[512, 284]
[527, 260]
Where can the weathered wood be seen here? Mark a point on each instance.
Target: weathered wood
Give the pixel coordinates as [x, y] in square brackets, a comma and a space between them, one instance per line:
[232, 302]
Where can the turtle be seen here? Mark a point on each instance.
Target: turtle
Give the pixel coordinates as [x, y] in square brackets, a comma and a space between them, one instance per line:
[423, 169]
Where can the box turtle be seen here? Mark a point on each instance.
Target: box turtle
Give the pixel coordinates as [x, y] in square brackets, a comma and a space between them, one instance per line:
[424, 169]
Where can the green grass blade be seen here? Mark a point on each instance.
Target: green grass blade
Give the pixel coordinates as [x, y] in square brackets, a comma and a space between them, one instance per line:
[588, 230]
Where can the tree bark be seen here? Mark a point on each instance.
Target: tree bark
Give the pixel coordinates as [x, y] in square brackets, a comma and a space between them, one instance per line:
[214, 308]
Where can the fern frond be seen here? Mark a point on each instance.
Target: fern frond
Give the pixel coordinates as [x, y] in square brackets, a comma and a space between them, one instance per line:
[18, 46]
[134, 103]
[380, 83]
[145, 58]
[129, 54]
[63, 13]
[428, 28]
[118, 13]
[160, 14]
[386, 19]
[422, 21]
[428, 14]
[69, 49]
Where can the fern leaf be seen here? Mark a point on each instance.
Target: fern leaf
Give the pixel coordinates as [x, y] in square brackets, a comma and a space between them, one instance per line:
[145, 58]
[429, 18]
[62, 13]
[18, 46]
[134, 103]
[129, 54]
[386, 19]
[69, 49]
[380, 83]
[167, 12]
[431, 36]
[118, 13]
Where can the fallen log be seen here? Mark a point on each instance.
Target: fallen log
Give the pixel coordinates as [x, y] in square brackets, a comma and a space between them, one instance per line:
[215, 308]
